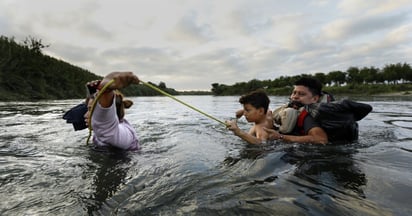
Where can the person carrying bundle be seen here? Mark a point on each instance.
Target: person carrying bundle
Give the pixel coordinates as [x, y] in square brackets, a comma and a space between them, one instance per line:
[312, 116]
[104, 111]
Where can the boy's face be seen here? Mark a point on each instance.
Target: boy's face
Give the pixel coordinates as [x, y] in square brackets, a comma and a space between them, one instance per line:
[303, 95]
[251, 113]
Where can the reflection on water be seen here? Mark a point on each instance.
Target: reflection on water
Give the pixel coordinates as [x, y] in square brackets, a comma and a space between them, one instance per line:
[109, 175]
[190, 164]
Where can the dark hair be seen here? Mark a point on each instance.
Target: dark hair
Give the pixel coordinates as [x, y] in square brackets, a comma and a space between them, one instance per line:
[314, 85]
[257, 99]
[121, 104]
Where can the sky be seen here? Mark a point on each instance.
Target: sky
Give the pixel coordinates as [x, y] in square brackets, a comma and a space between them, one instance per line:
[190, 44]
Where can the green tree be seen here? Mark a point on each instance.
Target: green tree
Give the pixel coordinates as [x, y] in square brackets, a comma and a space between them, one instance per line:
[406, 72]
[27, 74]
[162, 85]
[367, 74]
[253, 85]
[321, 77]
[34, 44]
[390, 73]
[217, 89]
[354, 75]
[336, 77]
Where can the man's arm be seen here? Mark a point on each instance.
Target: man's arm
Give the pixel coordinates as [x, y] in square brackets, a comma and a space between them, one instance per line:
[316, 135]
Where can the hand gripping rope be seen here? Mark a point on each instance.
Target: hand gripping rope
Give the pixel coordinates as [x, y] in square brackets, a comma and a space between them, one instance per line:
[99, 95]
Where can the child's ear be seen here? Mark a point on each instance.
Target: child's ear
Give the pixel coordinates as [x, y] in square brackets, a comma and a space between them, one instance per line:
[261, 110]
[127, 103]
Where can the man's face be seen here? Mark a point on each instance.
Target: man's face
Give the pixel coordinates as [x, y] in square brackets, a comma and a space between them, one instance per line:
[303, 95]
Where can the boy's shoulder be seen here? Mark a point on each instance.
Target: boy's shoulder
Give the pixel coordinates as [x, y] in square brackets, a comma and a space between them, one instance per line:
[259, 125]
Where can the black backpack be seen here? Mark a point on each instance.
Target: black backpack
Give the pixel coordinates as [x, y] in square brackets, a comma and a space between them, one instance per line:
[339, 118]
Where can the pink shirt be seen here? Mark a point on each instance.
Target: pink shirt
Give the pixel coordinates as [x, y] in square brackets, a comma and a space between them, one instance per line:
[108, 131]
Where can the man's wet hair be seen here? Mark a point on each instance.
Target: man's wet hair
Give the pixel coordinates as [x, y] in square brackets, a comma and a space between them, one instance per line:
[314, 85]
[257, 99]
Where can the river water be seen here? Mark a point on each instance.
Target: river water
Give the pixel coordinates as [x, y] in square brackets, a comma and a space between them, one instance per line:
[190, 164]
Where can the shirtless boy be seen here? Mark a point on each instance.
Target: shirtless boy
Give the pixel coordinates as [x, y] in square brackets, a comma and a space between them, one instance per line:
[255, 109]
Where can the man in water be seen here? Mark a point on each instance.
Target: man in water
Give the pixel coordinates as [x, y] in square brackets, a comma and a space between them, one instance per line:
[306, 91]
[109, 125]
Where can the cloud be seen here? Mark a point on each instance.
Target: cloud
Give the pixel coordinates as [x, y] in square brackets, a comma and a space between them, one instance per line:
[342, 29]
[373, 7]
[189, 29]
[191, 44]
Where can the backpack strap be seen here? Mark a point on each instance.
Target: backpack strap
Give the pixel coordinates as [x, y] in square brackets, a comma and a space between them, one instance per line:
[326, 97]
[301, 119]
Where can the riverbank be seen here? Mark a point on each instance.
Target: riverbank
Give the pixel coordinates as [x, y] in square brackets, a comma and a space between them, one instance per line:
[401, 93]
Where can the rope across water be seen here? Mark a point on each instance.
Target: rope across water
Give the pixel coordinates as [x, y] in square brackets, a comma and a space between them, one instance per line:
[188, 105]
[99, 95]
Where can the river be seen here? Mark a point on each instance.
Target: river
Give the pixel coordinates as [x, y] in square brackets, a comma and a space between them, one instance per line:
[190, 164]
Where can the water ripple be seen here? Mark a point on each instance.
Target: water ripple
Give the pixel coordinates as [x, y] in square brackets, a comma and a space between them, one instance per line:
[191, 165]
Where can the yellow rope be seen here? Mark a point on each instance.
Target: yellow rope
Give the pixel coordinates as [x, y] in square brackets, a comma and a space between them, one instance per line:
[99, 95]
[174, 98]
[151, 86]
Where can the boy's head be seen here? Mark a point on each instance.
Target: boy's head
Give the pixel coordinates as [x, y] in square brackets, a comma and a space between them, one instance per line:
[255, 105]
[257, 99]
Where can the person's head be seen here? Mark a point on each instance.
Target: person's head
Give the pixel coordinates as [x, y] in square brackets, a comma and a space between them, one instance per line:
[306, 91]
[255, 105]
[121, 105]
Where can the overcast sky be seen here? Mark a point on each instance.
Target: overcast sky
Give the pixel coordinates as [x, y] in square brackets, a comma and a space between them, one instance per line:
[190, 44]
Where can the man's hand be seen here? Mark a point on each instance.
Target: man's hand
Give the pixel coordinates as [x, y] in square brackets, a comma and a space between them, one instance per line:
[121, 80]
[92, 87]
[272, 134]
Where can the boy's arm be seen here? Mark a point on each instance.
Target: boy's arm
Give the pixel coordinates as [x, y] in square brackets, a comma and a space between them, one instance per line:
[248, 137]
[239, 113]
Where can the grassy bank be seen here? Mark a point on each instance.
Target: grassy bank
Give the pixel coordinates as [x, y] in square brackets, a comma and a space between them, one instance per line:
[356, 89]
[372, 89]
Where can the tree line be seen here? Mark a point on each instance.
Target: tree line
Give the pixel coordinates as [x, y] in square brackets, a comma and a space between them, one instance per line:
[369, 80]
[27, 74]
